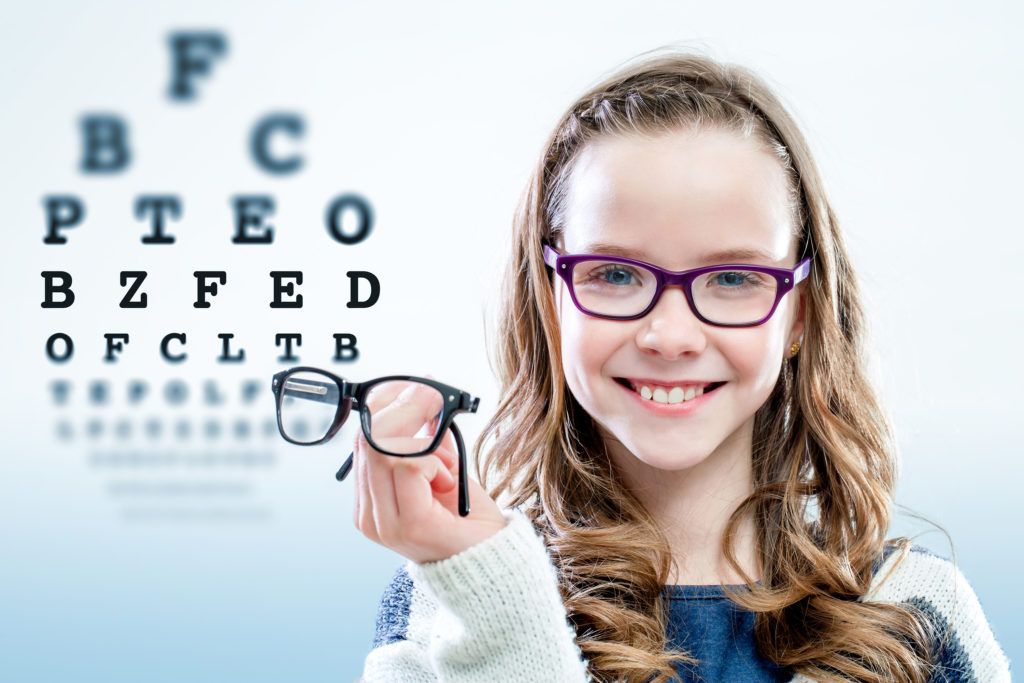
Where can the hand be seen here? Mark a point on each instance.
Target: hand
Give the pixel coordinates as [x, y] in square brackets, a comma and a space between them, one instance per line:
[410, 505]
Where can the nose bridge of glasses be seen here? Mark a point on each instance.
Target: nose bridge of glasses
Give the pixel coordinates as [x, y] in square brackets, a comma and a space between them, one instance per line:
[671, 278]
[678, 303]
[675, 281]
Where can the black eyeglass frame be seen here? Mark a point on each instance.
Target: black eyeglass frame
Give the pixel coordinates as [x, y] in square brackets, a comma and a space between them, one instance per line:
[349, 395]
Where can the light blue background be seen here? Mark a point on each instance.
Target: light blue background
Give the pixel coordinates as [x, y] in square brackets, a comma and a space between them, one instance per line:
[435, 113]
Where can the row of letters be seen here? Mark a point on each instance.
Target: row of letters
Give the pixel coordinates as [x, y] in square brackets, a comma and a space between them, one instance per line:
[174, 392]
[348, 218]
[60, 347]
[57, 292]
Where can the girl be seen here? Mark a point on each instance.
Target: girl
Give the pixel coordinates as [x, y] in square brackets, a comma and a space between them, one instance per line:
[699, 474]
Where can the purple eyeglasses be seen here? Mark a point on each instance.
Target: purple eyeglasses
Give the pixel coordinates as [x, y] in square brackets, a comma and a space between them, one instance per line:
[618, 288]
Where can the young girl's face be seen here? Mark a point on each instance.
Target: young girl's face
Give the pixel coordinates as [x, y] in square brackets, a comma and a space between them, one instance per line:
[680, 200]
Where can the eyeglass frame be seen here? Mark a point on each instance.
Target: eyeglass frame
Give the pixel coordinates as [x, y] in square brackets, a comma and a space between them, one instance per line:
[786, 280]
[353, 394]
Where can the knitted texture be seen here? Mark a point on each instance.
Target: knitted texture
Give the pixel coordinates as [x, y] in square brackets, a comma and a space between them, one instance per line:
[490, 613]
[494, 613]
[967, 649]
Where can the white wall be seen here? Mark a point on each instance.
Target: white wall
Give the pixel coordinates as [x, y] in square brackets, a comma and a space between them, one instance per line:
[435, 113]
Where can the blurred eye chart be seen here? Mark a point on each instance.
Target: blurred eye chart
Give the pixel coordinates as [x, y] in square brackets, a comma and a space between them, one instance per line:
[199, 195]
[198, 208]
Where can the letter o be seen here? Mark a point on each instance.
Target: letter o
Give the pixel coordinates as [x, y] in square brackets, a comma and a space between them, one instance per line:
[69, 347]
[363, 211]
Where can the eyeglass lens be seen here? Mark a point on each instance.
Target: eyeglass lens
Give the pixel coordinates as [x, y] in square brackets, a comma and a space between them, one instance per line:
[308, 406]
[310, 402]
[727, 296]
[383, 425]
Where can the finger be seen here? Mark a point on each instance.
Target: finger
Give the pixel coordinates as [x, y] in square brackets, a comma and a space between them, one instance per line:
[356, 493]
[444, 482]
[405, 444]
[409, 444]
[448, 452]
[382, 493]
[365, 520]
[448, 443]
[382, 394]
[410, 410]
[356, 477]
[415, 482]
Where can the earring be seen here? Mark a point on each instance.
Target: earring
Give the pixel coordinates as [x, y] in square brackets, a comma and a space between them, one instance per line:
[794, 349]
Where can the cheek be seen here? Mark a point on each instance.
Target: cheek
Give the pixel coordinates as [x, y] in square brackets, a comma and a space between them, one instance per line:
[570, 333]
[757, 355]
[586, 345]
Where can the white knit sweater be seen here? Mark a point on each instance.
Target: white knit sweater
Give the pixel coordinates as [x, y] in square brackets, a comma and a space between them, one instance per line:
[494, 613]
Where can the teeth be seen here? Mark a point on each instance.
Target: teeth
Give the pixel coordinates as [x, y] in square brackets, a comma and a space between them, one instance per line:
[674, 395]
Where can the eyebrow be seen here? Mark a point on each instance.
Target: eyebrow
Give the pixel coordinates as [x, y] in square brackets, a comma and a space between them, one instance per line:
[725, 256]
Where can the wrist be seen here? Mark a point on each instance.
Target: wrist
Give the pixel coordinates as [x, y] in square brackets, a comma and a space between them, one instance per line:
[497, 560]
[476, 533]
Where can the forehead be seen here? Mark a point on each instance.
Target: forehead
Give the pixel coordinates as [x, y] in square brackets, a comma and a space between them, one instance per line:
[680, 198]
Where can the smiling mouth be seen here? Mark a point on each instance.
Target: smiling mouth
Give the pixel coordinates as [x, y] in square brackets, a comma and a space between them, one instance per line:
[668, 394]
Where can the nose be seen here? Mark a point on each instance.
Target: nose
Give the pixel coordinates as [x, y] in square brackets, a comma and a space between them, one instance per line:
[671, 329]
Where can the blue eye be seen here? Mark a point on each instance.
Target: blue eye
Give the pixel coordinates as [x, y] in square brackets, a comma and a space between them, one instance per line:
[617, 276]
[731, 278]
[611, 279]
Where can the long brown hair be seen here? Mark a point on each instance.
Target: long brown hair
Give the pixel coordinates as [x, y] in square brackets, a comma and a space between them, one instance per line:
[824, 463]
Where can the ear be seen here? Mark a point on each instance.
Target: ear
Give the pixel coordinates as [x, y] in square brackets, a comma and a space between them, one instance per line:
[796, 331]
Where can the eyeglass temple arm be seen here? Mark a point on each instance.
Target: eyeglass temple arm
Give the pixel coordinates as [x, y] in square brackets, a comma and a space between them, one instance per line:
[346, 467]
[463, 477]
[550, 256]
[802, 270]
[311, 390]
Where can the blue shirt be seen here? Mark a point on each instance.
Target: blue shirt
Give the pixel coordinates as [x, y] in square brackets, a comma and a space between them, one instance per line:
[719, 634]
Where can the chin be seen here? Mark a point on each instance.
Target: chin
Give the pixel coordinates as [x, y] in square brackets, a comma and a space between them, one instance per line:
[669, 456]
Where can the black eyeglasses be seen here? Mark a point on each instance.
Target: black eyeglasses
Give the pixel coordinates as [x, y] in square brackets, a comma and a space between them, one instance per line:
[618, 288]
[313, 404]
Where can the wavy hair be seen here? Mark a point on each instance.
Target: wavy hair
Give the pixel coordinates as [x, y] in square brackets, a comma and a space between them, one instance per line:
[824, 463]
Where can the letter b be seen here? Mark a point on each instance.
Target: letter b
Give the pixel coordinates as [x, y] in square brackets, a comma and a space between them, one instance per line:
[105, 144]
[63, 288]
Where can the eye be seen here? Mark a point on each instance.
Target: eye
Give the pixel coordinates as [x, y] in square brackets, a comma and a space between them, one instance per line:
[613, 274]
[731, 279]
[617, 276]
[735, 279]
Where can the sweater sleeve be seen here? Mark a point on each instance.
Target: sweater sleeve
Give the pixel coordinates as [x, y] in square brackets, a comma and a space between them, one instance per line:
[490, 613]
[966, 648]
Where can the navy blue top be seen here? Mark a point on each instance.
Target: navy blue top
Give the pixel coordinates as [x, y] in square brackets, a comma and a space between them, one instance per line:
[719, 634]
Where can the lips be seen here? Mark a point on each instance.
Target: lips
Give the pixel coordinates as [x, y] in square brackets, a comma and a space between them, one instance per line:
[668, 393]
